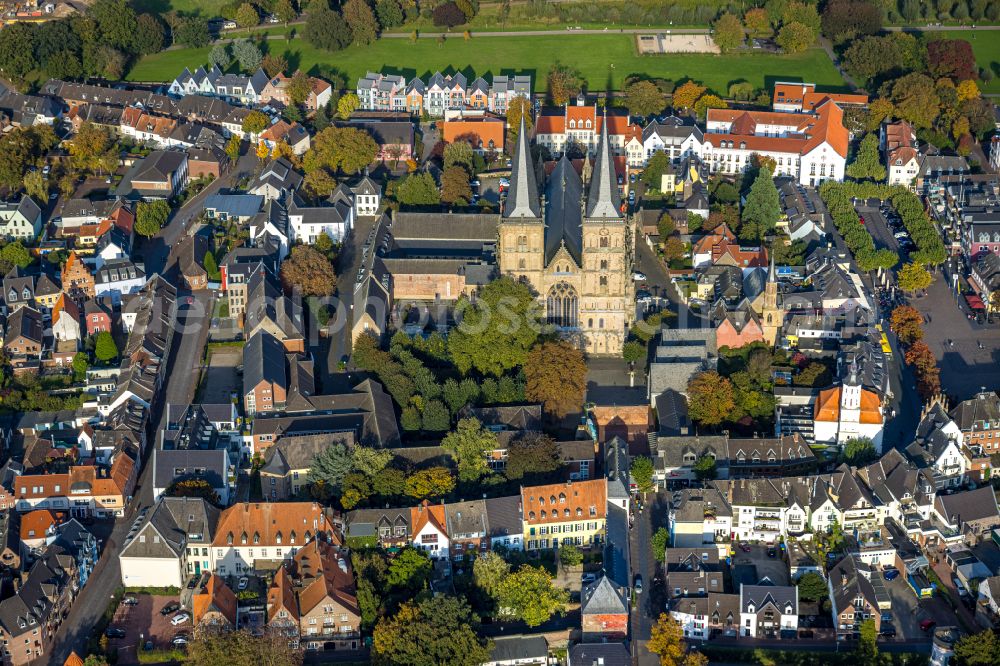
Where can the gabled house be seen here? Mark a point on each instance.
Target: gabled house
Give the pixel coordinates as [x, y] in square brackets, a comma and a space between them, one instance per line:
[692, 572]
[252, 536]
[573, 512]
[269, 310]
[276, 180]
[429, 531]
[604, 610]
[265, 382]
[20, 219]
[214, 605]
[285, 472]
[176, 466]
[118, 277]
[160, 175]
[852, 597]
[77, 280]
[24, 335]
[66, 320]
[769, 611]
[171, 543]
[18, 288]
[974, 513]
[387, 528]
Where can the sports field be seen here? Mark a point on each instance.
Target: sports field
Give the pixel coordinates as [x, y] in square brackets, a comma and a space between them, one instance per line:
[604, 60]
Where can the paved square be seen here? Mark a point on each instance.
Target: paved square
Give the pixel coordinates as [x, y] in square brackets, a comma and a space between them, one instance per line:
[955, 341]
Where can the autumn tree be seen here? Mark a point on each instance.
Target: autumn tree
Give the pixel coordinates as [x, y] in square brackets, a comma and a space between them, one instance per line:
[239, 648]
[274, 64]
[430, 482]
[685, 96]
[519, 107]
[867, 164]
[845, 20]
[563, 83]
[440, 629]
[644, 98]
[254, 123]
[489, 571]
[497, 330]
[667, 641]
[706, 102]
[556, 376]
[469, 445]
[952, 58]
[728, 33]
[795, 37]
[347, 105]
[308, 272]
[247, 16]
[757, 23]
[347, 149]
[361, 20]
[92, 149]
[299, 88]
[907, 323]
[914, 99]
[711, 399]
[914, 277]
[455, 188]
[285, 11]
[530, 454]
[529, 595]
[151, 216]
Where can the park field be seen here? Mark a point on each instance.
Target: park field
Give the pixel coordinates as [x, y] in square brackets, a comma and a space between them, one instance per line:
[604, 61]
[986, 47]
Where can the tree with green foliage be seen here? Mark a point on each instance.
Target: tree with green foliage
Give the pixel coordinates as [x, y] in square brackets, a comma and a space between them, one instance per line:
[247, 54]
[656, 166]
[704, 468]
[455, 187]
[369, 461]
[254, 123]
[468, 444]
[497, 330]
[459, 153]
[812, 587]
[326, 30]
[285, 11]
[211, 647]
[105, 348]
[489, 571]
[633, 351]
[531, 454]
[330, 466]
[117, 25]
[867, 652]
[711, 398]
[438, 630]
[859, 451]
[570, 556]
[17, 50]
[867, 164]
[528, 595]
[410, 570]
[192, 31]
[979, 649]
[762, 209]
[219, 56]
[150, 34]
[15, 254]
[915, 99]
[644, 98]
[418, 189]
[641, 474]
[728, 33]
[211, 266]
[233, 148]
[659, 543]
[80, 365]
[389, 13]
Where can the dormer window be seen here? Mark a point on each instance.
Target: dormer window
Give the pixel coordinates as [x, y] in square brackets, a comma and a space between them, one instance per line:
[229, 539]
[256, 538]
[26, 293]
[243, 538]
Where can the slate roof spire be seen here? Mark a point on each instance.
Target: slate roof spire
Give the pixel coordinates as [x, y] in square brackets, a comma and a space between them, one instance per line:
[522, 200]
[602, 199]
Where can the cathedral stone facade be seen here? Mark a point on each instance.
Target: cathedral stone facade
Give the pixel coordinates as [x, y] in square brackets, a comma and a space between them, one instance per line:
[573, 245]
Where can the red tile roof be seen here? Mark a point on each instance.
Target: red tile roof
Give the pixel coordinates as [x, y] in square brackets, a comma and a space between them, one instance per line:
[565, 502]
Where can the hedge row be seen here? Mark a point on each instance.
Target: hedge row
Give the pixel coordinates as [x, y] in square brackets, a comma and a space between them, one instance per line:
[837, 197]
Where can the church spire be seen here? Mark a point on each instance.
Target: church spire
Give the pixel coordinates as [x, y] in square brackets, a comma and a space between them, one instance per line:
[522, 200]
[771, 276]
[603, 200]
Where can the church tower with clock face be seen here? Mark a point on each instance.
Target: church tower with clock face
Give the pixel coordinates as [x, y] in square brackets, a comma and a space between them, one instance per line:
[574, 247]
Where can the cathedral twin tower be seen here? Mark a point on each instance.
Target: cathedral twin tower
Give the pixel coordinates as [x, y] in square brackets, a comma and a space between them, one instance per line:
[574, 248]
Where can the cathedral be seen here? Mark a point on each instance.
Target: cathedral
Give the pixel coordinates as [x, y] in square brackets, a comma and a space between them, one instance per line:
[573, 245]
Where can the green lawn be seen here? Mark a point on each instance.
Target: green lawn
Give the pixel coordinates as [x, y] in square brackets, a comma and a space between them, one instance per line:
[602, 59]
[986, 46]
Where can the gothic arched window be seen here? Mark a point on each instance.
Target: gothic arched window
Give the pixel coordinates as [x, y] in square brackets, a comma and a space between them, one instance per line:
[561, 305]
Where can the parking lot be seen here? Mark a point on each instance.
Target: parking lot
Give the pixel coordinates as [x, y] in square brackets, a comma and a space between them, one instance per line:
[222, 378]
[908, 611]
[142, 622]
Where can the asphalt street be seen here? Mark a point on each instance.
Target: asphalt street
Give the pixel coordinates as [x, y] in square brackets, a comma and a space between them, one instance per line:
[183, 366]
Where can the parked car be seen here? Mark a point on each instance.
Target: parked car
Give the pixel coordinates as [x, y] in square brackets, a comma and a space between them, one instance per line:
[771, 552]
[172, 607]
[114, 632]
[243, 582]
[632, 178]
[639, 276]
[130, 600]
[180, 618]
[887, 617]
[638, 584]
[887, 630]
[588, 578]
[180, 639]
[890, 573]
[927, 625]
